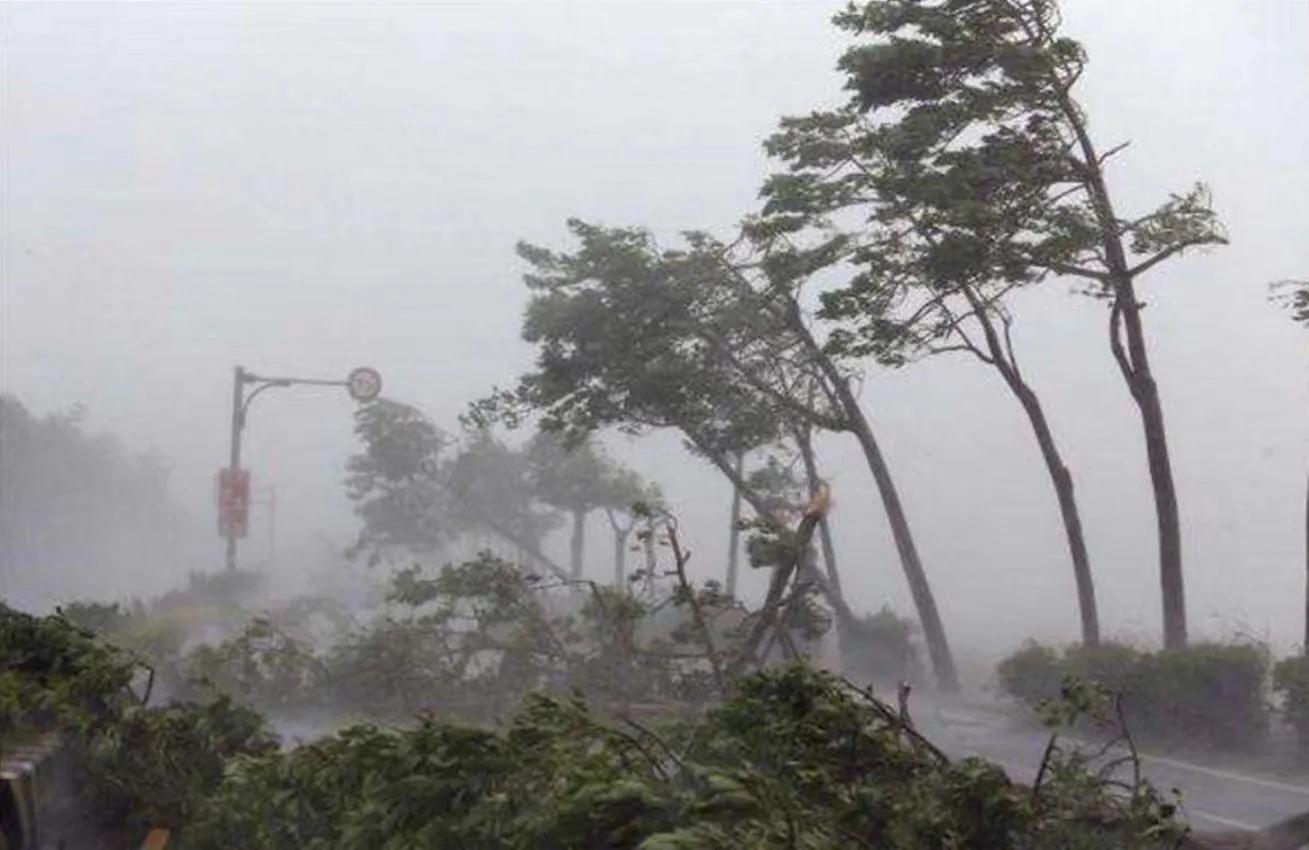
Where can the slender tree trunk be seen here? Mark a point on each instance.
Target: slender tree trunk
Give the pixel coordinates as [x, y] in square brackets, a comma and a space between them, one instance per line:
[578, 543]
[938, 646]
[1064, 492]
[1134, 363]
[1002, 358]
[1146, 394]
[733, 531]
[1306, 570]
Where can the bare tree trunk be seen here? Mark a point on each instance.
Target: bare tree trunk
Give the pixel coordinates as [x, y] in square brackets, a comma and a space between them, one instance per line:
[578, 543]
[1146, 394]
[1003, 359]
[938, 646]
[734, 532]
[1064, 492]
[1134, 363]
[1306, 568]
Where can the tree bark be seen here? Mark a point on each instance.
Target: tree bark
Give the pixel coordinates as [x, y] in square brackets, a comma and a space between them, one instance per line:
[1146, 394]
[578, 543]
[1002, 358]
[1306, 571]
[938, 646]
[1134, 363]
[734, 532]
[1068, 511]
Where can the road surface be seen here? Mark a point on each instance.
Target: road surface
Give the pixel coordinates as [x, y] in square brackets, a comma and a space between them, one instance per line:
[1213, 797]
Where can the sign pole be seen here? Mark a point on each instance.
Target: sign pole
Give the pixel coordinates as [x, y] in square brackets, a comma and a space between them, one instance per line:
[363, 384]
[234, 462]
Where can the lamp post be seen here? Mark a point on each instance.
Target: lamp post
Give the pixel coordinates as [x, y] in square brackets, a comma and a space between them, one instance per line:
[363, 384]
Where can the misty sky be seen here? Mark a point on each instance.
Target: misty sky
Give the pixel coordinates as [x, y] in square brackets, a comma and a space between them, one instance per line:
[306, 188]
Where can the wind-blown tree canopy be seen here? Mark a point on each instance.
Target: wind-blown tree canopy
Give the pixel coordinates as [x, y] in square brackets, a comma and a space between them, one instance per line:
[415, 490]
[580, 479]
[634, 336]
[963, 157]
[395, 483]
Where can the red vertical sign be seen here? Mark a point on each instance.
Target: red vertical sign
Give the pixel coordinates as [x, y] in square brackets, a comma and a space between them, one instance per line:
[233, 502]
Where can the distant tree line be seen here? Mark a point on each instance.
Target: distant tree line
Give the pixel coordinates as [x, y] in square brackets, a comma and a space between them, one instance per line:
[73, 504]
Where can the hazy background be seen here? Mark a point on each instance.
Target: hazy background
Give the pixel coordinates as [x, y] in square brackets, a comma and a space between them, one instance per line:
[305, 188]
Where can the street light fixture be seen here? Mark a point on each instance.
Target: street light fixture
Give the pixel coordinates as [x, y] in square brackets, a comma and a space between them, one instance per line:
[363, 384]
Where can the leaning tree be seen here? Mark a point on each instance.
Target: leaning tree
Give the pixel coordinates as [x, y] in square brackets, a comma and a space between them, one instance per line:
[633, 336]
[965, 152]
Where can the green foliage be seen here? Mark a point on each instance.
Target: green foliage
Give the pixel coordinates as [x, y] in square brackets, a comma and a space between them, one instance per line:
[1207, 694]
[1291, 681]
[880, 646]
[262, 666]
[151, 767]
[144, 765]
[793, 758]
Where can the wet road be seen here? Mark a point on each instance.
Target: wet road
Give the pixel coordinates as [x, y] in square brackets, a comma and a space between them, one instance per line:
[1213, 797]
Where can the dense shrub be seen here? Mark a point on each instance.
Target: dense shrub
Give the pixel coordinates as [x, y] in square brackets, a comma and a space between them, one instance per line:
[1207, 694]
[880, 646]
[143, 765]
[793, 758]
[1291, 681]
[1032, 674]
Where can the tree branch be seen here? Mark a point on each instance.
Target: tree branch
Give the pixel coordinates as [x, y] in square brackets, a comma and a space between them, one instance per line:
[1177, 247]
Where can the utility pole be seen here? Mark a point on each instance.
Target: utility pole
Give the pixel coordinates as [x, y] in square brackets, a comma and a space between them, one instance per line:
[363, 384]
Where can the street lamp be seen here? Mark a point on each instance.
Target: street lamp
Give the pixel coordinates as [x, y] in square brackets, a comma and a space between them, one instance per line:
[363, 384]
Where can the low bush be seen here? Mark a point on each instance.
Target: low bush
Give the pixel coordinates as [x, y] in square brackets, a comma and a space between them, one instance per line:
[1207, 694]
[880, 646]
[144, 765]
[792, 758]
[1291, 682]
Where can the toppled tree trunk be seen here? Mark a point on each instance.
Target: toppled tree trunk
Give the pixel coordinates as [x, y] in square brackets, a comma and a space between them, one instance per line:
[782, 574]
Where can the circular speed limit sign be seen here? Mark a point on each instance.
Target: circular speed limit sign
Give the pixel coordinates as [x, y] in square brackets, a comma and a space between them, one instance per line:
[364, 384]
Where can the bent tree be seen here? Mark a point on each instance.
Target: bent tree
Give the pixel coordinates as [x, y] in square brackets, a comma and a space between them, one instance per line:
[978, 142]
[633, 336]
[905, 297]
[775, 350]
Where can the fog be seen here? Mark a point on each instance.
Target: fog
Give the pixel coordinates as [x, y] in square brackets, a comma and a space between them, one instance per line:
[304, 189]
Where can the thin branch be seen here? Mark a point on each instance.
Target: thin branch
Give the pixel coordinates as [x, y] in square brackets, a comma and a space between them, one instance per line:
[1115, 149]
[679, 562]
[1176, 247]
